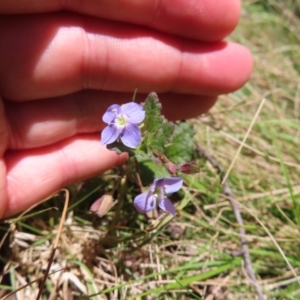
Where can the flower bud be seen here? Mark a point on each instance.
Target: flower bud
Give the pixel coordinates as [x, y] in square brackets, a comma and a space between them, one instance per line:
[172, 168]
[189, 168]
[102, 205]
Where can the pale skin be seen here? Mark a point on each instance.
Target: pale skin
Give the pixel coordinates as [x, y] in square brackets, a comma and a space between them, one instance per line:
[59, 71]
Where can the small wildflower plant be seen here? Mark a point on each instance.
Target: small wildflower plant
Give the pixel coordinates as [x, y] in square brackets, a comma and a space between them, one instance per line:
[160, 152]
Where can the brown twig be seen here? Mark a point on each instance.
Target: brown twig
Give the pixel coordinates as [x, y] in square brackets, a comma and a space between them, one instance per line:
[55, 245]
[236, 209]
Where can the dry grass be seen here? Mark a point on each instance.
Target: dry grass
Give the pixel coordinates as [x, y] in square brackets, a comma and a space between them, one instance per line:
[193, 255]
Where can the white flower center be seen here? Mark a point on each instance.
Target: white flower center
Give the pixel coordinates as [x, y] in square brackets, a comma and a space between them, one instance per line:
[120, 121]
[158, 192]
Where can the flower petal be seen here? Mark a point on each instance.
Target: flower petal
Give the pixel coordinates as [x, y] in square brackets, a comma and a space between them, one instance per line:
[131, 135]
[102, 205]
[166, 205]
[134, 112]
[111, 113]
[152, 187]
[144, 202]
[169, 185]
[109, 134]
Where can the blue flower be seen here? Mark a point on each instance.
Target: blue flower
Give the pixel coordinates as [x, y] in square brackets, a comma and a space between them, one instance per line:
[123, 123]
[156, 195]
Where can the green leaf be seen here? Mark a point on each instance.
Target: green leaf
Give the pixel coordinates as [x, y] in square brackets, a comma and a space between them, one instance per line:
[151, 169]
[182, 148]
[157, 132]
[120, 148]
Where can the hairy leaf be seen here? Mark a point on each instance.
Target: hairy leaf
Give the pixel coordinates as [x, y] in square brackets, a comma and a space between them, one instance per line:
[157, 131]
[182, 146]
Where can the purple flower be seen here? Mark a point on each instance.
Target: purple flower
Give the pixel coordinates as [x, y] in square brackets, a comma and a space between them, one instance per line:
[146, 202]
[123, 122]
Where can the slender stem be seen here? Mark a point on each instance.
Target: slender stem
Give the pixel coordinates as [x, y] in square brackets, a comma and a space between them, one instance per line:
[236, 209]
[138, 177]
[121, 195]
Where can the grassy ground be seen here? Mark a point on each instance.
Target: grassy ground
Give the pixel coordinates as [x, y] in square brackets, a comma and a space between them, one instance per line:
[193, 256]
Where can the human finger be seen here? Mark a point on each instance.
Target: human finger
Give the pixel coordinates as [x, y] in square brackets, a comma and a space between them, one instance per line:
[64, 53]
[35, 174]
[4, 140]
[40, 123]
[207, 20]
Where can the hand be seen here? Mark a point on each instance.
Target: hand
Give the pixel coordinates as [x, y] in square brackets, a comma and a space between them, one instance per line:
[62, 66]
